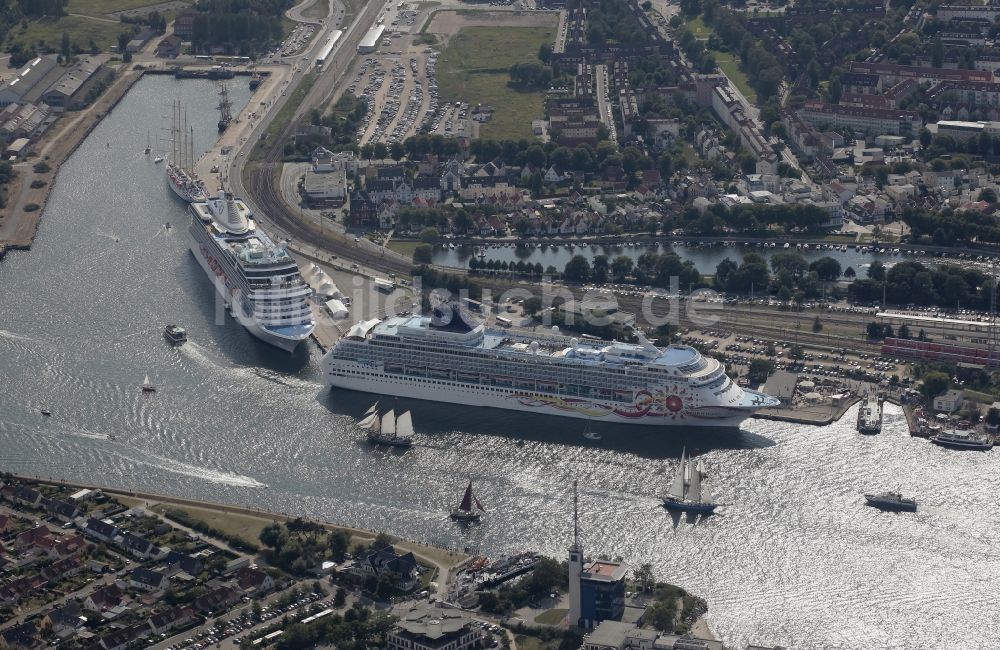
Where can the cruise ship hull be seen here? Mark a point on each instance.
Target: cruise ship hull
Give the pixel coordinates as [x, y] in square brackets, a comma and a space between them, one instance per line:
[514, 400]
[267, 336]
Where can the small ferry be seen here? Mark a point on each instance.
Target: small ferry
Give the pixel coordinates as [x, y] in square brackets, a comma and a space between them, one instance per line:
[870, 415]
[891, 501]
[963, 440]
[176, 335]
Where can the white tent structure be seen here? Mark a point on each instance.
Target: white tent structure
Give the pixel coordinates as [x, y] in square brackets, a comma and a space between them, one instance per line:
[337, 309]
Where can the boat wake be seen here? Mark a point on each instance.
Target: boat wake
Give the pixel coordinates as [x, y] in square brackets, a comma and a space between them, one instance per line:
[14, 336]
[194, 471]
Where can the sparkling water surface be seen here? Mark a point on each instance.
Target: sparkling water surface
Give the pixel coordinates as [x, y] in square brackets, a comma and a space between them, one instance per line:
[794, 557]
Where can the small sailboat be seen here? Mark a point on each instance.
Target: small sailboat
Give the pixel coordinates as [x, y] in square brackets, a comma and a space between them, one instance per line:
[158, 160]
[387, 429]
[687, 494]
[464, 511]
[147, 386]
[148, 147]
[591, 435]
[46, 412]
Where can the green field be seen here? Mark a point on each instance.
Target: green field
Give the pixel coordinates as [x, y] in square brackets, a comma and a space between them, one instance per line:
[551, 617]
[81, 31]
[403, 247]
[474, 67]
[726, 61]
[316, 10]
[731, 67]
[105, 7]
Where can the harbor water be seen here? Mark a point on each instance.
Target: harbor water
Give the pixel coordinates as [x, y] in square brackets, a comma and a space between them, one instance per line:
[793, 558]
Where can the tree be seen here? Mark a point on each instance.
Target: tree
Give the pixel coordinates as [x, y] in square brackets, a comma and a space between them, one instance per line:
[532, 305]
[876, 271]
[835, 90]
[423, 254]
[430, 236]
[934, 383]
[621, 266]
[545, 52]
[123, 39]
[66, 48]
[988, 194]
[274, 535]
[826, 268]
[849, 273]
[925, 138]
[760, 369]
[339, 539]
[600, 268]
[817, 326]
[577, 269]
[340, 597]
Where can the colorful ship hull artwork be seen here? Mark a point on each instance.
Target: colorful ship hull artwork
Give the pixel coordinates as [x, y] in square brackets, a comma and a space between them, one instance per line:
[551, 374]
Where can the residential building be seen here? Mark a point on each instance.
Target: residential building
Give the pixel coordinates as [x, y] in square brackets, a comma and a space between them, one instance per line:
[170, 619]
[730, 111]
[145, 579]
[104, 598]
[875, 121]
[987, 13]
[254, 580]
[892, 73]
[139, 547]
[100, 530]
[949, 401]
[217, 600]
[387, 560]
[184, 24]
[426, 627]
[65, 620]
[64, 511]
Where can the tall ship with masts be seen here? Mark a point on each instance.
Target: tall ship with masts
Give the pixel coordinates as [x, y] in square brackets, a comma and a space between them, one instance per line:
[181, 176]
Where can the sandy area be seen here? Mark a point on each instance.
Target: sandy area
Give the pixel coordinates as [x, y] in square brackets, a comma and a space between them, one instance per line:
[449, 22]
[701, 630]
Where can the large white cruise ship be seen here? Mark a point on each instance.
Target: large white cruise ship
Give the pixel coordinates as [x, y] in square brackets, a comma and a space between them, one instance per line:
[444, 358]
[258, 280]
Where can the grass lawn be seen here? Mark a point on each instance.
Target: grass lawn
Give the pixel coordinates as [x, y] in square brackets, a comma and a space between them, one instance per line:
[474, 67]
[728, 64]
[525, 642]
[403, 247]
[551, 617]
[81, 31]
[698, 27]
[726, 61]
[242, 526]
[283, 117]
[104, 7]
[316, 10]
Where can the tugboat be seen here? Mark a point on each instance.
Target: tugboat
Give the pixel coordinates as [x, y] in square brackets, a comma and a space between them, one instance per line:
[387, 429]
[686, 492]
[176, 335]
[464, 511]
[891, 501]
[870, 415]
[147, 386]
[963, 440]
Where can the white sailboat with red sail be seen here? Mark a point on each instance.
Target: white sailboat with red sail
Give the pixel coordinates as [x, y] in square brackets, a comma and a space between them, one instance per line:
[465, 511]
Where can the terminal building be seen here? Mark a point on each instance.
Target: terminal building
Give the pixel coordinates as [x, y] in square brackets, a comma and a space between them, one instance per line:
[369, 43]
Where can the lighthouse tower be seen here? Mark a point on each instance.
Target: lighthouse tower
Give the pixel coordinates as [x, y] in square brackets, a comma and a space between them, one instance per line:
[575, 567]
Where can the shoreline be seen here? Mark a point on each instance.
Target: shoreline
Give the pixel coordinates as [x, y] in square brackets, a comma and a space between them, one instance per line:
[20, 227]
[423, 550]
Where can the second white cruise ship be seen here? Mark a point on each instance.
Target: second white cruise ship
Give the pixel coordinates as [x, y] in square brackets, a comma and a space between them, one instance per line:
[449, 358]
[258, 280]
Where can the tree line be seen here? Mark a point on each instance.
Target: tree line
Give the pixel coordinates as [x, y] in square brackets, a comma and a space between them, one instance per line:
[246, 27]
